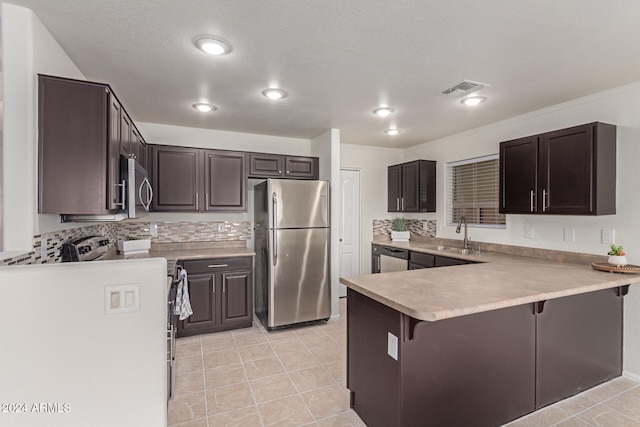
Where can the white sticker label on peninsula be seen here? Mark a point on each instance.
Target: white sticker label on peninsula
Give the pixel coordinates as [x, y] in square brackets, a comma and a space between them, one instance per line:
[392, 345]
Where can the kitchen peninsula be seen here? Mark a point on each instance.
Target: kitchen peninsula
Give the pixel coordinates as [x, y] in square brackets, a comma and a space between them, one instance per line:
[480, 344]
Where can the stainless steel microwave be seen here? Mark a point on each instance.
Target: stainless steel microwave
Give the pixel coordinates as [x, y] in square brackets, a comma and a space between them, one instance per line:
[136, 195]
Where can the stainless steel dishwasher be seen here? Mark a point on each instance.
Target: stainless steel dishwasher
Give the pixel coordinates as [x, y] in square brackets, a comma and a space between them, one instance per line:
[393, 259]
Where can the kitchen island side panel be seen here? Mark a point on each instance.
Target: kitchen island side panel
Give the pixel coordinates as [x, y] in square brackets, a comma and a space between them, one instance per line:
[372, 374]
[579, 344]
[476, 370]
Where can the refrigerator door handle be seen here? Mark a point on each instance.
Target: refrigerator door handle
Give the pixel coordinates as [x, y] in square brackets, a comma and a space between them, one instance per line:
[275, 223]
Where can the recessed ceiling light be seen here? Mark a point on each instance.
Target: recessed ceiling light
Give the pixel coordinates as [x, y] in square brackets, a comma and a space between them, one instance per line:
[383, 112]
[205, 108]
[392, 132]
[472, 101]
[213, 46]
[274, 94]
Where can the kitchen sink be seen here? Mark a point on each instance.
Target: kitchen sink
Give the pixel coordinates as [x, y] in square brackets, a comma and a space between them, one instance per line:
[460, 251]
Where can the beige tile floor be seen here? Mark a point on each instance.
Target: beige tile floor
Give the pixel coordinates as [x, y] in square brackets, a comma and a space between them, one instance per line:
[297, 377]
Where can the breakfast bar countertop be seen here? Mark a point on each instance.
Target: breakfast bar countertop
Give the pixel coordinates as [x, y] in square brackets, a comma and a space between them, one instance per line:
[497, 280]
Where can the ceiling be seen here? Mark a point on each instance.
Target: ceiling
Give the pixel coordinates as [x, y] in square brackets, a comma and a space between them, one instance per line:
[338, 60]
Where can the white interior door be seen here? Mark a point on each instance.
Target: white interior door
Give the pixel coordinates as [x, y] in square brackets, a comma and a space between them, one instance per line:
[349, 226]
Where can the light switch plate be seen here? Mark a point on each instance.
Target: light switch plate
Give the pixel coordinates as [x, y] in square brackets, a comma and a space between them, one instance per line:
[392, 345]
[608, 236]
[529, 232]
[122, 298]
[569, 234]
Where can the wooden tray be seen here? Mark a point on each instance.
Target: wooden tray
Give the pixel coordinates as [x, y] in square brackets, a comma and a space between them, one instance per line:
[604, 266]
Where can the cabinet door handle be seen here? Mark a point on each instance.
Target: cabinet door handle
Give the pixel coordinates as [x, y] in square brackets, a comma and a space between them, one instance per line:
[398, 204]
[544, 200]
[197, 204]
[532, 195]
[206, 201]
[123, 194]
[217, 265]
[403, 204]
[275, 225]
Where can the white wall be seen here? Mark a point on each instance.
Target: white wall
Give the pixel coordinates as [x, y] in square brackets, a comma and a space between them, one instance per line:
[28, 49]
[155, 133]
[372, 163]
[327, 147]
[110, 368]
[621, 107]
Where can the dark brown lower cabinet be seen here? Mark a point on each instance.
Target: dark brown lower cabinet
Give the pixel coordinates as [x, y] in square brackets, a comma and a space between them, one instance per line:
[221, 295]
[579, 344]
[484, 369]
[202, 296]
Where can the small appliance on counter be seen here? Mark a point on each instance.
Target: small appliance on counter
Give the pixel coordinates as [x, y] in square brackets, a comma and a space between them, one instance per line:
[134, 246]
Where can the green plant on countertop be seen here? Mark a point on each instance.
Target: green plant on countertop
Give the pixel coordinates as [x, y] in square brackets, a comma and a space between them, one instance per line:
[399, 224]
[616, 251]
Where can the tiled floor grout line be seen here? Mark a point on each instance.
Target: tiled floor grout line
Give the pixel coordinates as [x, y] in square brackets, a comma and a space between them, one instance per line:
[272, 344]
[289, 376]
[253, 397]
[204, 384]
[604, 402]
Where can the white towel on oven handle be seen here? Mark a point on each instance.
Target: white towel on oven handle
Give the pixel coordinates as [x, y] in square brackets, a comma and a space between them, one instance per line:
[183, 305]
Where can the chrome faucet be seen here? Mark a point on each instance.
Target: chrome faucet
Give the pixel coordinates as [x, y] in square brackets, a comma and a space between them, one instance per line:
[466, 239]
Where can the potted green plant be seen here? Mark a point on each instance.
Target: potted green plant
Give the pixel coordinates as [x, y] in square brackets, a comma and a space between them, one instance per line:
[399, 232]
[617, 256]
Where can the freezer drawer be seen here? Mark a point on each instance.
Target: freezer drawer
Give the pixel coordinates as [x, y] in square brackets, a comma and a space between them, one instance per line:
[299, 288]
[298, 204]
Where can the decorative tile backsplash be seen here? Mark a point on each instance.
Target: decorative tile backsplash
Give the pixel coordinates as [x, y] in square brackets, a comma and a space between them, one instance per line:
[168, 232]
[419, 227]
[175, 232]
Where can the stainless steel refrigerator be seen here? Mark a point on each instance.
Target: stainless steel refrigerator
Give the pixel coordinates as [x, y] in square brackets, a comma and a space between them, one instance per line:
[292, 281]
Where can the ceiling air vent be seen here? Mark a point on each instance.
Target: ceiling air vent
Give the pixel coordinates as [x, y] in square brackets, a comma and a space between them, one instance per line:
[464, 88]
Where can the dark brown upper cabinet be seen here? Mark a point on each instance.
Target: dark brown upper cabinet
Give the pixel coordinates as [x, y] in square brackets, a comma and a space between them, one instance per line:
[81, 126]
[113, 162]
[411, 187]
[565, 172]
[263, 165]
[197, 180]
[78, 151]
[176, 178]
[225, 181]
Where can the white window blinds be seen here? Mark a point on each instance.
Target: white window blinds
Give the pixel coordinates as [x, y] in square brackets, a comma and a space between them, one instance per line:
[473, 192]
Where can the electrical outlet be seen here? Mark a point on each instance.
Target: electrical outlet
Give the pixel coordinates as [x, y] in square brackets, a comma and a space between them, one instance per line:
[392, 345]
[221, 227]
[608, 236]
[153, 229]
[528, 232]
[43, 250]
[569, 234]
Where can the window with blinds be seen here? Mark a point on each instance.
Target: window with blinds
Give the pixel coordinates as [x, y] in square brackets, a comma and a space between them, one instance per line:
[473, 192]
